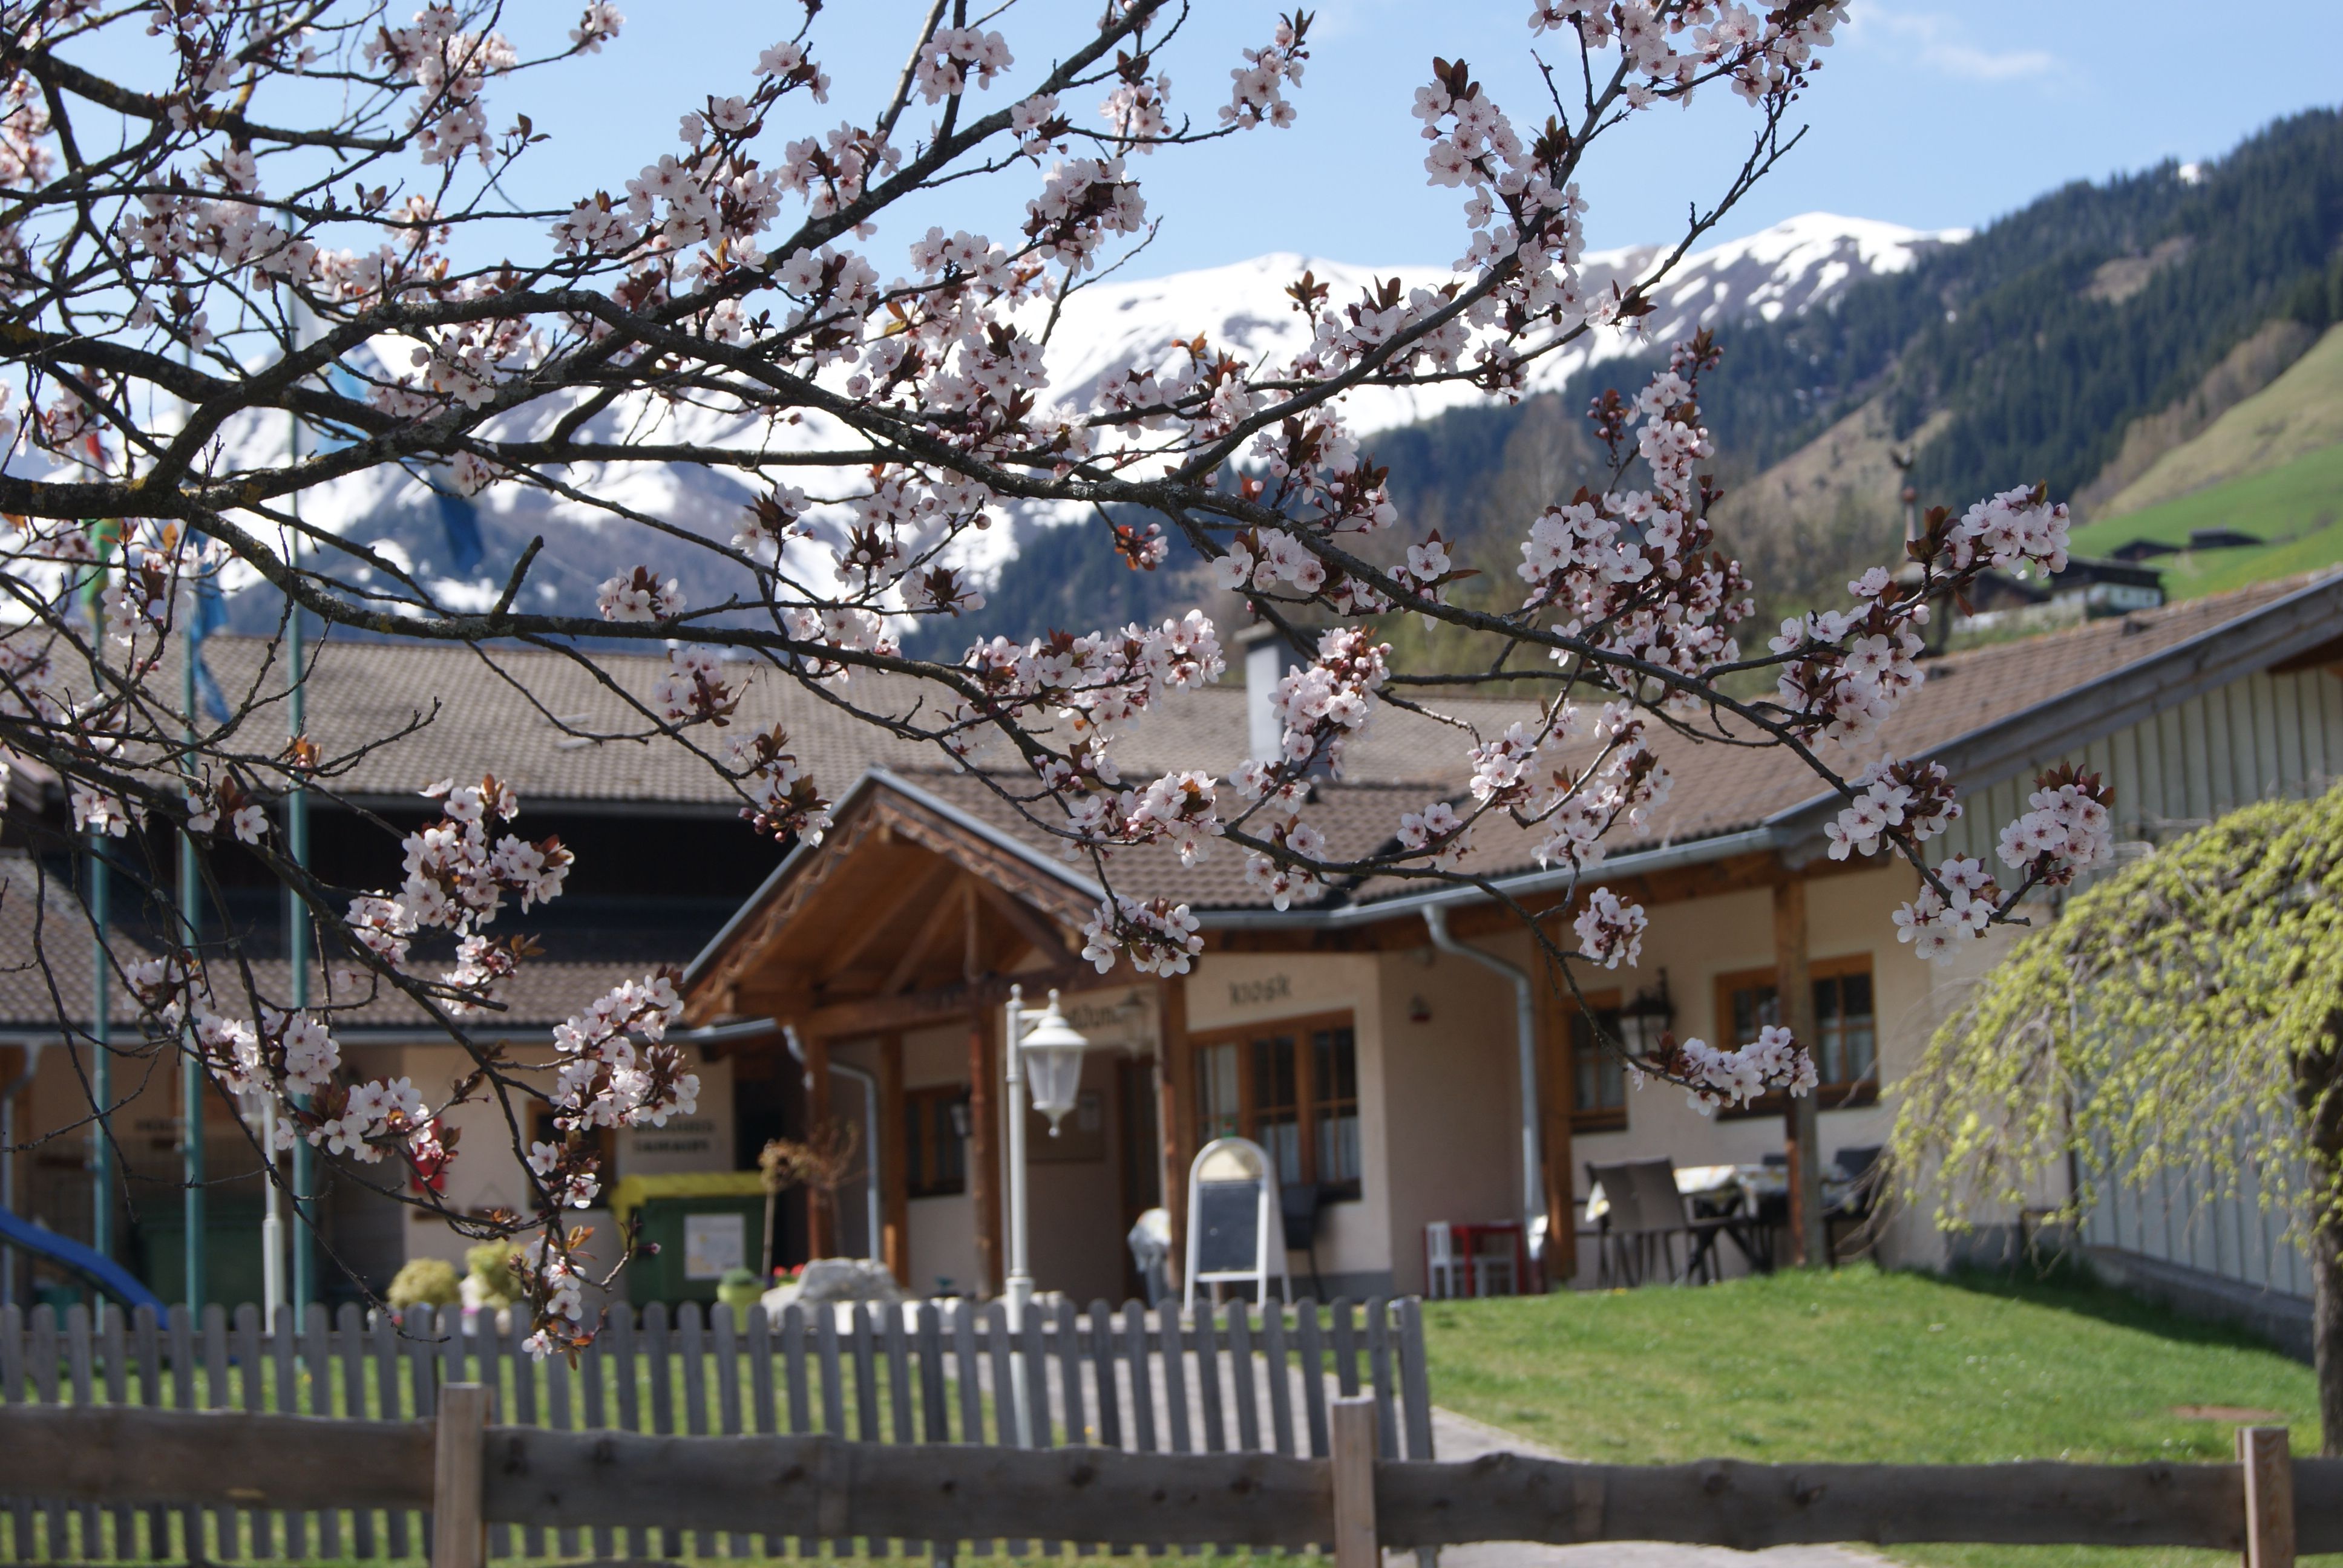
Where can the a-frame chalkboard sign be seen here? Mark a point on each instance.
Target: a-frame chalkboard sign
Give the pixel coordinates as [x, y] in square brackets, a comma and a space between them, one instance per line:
[1235, 1233]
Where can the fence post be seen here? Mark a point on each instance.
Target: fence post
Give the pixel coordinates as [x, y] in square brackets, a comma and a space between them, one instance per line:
[459, 1536]
[1355, 1443]
[2269, 1496]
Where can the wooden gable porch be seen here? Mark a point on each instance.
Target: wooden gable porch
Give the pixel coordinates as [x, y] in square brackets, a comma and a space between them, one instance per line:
[903, 919]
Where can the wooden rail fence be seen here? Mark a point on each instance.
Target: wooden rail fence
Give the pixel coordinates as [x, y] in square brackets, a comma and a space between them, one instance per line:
[1236, 1382]
[473, 1474]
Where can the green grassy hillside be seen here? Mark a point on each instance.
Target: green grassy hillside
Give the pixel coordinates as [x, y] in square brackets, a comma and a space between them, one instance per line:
[2296, 509]
[2295, 415]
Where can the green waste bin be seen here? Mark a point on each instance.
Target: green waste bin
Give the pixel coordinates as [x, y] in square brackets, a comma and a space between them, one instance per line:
[702, 1223]
[232, 1264]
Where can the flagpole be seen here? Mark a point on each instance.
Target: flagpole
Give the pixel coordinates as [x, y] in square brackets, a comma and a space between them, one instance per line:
[191, 1071]
[296, 943]
[102, 1067]
[101, 1037]
[296, 849]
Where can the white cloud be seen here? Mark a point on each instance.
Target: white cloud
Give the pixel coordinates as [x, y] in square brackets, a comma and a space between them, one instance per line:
[1940, 42]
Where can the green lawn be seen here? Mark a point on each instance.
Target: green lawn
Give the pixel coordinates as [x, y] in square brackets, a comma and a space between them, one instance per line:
[1862, 1365]
[2297, 510]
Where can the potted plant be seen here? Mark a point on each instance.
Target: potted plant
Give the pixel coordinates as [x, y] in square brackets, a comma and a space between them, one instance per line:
[740, 1290]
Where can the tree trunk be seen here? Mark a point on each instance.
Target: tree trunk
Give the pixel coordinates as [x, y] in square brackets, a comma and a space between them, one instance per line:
[2327, 1319]
[2318, 1093]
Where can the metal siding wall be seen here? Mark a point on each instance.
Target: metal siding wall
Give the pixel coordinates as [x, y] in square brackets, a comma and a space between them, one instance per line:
[2196, 753]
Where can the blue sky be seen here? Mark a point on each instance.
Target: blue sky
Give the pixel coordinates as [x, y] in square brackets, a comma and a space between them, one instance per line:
[1930, 112]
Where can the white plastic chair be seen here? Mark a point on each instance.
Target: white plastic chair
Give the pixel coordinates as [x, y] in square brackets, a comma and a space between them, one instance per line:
[1492, 1268]
[1440, 1261]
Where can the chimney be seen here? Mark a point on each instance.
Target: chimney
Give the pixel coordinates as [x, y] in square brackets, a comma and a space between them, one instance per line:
[1268, 658]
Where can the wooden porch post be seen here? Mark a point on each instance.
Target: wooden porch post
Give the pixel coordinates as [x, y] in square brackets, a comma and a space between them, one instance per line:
[821, 1218]
[984, 1149]
[894, 1202]
[1175, 1110]
[1794, 988]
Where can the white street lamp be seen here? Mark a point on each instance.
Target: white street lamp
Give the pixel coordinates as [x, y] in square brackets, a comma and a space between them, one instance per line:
[1050, 1051]
[1055, 1052]
[1054, 1064]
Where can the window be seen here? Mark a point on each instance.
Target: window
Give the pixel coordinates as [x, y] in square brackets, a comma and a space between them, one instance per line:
[1335, 1105]
[935, 1141]
[1293, 1088]
[1846, 1046]
[1597, 1077]
[1276, 1104]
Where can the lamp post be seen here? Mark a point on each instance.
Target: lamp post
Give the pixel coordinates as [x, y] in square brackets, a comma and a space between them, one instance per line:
[1055, 1054]
[1055, 1051]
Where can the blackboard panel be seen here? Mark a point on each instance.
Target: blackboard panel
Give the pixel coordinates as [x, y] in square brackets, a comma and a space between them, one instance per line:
[1229, 1216]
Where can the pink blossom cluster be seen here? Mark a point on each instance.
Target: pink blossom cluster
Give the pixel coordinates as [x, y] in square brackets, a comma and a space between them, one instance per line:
[1772, 1061]
[1915, 797]
[1631, 572]
[693, 690]
[783, 803]
[1610, 930]
[2067, 828]
[1256, 92]
[1673, 48]
[458, 880]
[614, 1069]
[449, 69]
[951, 53]
[639, 596]
[1155, 936]
[1955, 905]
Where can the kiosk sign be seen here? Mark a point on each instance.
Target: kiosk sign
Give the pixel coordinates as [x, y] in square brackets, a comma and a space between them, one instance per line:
[1235, 1234]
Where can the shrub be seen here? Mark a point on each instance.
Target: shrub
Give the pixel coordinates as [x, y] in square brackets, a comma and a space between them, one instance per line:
[425, 1282]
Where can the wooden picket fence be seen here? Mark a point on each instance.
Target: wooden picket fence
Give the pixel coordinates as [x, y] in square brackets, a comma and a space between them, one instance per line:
[1238, 1380]
[2270, 1506]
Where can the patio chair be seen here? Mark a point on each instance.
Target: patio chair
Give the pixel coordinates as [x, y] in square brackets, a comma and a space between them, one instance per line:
[1441, 1271]
[1646, 1219]
[1863, 1173]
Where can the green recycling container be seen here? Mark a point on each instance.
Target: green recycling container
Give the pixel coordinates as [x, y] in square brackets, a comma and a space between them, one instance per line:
[697, 1236]
[232, 1266]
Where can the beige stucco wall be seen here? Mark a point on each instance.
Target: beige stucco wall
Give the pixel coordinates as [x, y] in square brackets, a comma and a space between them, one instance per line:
[1452, 1083]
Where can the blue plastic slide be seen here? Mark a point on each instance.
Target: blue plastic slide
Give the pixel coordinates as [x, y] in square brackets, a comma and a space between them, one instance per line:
[69, 1254]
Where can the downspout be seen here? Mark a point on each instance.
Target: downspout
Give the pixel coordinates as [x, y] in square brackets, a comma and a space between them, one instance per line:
[1436, 920]
[869, 1083]
[8, 1093]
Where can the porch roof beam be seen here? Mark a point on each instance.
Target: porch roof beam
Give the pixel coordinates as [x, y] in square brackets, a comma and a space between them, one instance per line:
[936, 1004]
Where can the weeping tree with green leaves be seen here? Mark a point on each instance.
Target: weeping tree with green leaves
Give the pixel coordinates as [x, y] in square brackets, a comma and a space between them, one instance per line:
[2184, 1014]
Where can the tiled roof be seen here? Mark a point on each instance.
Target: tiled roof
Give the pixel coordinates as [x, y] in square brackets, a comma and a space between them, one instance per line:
[1720, 787]
[479, 712]
[45, 942]
[460, 712]
[46, 951]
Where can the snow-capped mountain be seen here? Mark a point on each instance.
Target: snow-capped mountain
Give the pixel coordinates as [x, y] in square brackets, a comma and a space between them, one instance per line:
[1790, 268]
[1793, 267]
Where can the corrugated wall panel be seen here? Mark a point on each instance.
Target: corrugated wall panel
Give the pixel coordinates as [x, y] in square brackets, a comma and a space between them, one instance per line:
[2255, 738]
[2196, 754]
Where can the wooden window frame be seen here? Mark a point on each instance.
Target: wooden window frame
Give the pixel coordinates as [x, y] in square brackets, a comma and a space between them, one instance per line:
[1566, 1015]
[935, 1096]
[1847, 1096]
[1305, 1086]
